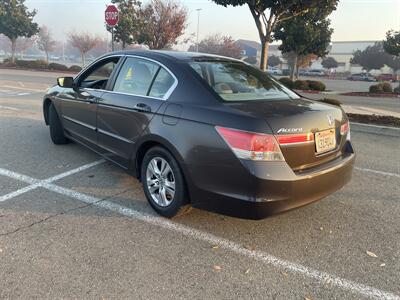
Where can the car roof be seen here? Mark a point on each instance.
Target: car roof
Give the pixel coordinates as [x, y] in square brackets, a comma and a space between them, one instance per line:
[176, 55]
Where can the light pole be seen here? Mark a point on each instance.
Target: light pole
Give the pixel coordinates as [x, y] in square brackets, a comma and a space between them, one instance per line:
[198, 28]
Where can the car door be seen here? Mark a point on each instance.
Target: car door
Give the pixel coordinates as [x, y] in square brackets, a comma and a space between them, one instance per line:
[124, 111]
[79, 105]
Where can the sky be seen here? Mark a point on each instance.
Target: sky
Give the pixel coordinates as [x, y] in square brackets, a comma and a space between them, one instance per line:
[354, 20]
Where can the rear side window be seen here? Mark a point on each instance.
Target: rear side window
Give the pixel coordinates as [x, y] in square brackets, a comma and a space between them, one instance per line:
[162, 84]
[142, 77]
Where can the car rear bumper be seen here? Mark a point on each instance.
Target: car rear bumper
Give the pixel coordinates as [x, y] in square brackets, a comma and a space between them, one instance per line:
[273, 188]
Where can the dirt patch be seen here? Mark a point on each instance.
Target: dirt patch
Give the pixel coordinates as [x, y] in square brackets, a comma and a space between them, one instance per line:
[308, 91]
[375, 120]
[37, 70]
[376, 95]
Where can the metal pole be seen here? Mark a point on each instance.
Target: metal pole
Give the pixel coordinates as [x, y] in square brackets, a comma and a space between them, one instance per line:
[112, 38]
[63, 51]
[198, 28]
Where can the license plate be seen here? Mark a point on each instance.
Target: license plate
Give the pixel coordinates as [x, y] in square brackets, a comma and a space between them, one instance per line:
[325, 140]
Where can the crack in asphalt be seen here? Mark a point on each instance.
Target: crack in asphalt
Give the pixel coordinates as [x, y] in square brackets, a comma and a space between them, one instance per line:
[60, 214]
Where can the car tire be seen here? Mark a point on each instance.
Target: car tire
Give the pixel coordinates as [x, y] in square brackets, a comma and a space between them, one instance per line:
[155, 180]
[56, 129]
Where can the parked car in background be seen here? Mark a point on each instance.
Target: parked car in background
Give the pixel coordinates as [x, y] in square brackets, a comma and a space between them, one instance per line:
[315, 72]
[386, 77]
[361, 77]
[303, 72]
[274, 71]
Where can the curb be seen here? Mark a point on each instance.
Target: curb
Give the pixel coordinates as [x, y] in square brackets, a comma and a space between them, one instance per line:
[375, 129]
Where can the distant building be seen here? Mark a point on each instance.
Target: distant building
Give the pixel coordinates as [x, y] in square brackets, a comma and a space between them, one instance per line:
[253, 49]
[341, 51]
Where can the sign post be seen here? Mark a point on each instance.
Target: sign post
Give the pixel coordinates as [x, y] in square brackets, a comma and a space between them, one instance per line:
[111, 16]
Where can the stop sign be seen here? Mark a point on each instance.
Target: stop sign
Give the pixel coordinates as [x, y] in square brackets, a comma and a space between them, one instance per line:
[111, 15]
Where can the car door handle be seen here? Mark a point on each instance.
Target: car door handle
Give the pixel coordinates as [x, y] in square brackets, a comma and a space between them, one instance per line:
[142, 107]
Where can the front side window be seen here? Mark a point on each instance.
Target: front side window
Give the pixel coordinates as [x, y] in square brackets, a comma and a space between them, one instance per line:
[143, 78]
[98, 76]
[236, 81]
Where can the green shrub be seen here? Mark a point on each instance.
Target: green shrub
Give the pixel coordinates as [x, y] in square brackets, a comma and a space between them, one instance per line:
[286, 81]
[383, 87]
[331, 101]
[386, 87]
[57, 67]
[316, 85]
[397, 90]
[74, 68]
[301, 85]
[6, 60]
[32, 64]
[376, 88]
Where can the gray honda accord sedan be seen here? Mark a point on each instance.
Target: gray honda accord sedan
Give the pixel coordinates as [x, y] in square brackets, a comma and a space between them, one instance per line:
[204, 131]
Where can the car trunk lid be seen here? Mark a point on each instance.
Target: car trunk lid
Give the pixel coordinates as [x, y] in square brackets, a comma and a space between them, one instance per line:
[291, 119]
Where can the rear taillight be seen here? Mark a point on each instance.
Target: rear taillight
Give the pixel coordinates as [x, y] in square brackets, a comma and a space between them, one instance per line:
[250, 145]
[345, 129]
[288, 139]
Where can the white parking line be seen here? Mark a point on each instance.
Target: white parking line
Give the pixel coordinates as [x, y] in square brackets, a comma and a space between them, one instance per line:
[74, 171]
[18, 192]
[267, 259]
[378, 172]
[25, 88]
[35, 183]
[8, 107]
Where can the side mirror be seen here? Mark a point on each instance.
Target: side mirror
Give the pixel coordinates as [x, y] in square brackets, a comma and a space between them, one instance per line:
[65, 82]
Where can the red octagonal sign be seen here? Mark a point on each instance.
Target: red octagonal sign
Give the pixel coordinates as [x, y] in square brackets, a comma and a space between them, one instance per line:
[111, 15]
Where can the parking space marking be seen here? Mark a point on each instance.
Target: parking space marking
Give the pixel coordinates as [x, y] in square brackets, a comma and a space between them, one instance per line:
[25, 88]
[8, 107]
[378, 172]
[18, 192]
[74, 171]
[35, 183]
[267, 259]
[18, 176]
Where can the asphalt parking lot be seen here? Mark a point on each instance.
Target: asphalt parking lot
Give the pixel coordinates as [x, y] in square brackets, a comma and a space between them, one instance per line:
[74, 226]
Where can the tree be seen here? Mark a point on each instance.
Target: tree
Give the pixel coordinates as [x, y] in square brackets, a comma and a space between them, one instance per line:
[45, 41]
[5, 43]
[84, 42]
[129, 24]
[24, 43]
[162, 24]
[296, 62]
[392, 46]
[16, 21]
[329, 63]
[372, 58]
[305, 35]
[220, 45]
[273, 61]
[394, 63]
[278, 11]
[392, 43]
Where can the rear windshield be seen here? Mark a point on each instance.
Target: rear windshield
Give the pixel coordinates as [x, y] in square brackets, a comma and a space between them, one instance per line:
[236, 81]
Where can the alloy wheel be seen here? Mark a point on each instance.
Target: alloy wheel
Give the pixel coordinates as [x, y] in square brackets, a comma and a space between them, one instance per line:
[160, 181]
